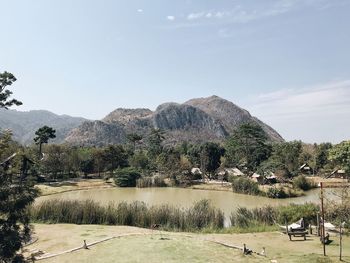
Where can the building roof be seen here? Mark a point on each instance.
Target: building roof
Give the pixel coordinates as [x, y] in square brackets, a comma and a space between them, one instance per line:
[234, 171]
[8, 159]
[255, 175]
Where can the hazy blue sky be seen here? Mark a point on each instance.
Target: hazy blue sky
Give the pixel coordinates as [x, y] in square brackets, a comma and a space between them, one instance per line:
[286, 61]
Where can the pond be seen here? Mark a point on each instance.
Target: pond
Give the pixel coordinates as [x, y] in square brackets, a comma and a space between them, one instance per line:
[225, 200]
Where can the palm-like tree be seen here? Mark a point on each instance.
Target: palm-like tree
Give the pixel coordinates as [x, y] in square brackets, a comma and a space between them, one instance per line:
[7, 79]
[43, 135]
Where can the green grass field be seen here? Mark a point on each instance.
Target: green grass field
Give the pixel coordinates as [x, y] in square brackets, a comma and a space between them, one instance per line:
[156, 246]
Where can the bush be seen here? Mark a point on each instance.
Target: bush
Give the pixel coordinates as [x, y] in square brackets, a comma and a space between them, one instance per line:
[126, 177]
[338, 213]
[276, 192]
[293, 213]
[245, 186]
[302, 183]
[269, 216]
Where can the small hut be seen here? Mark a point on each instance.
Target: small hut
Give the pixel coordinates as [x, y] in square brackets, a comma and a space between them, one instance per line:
[306, 169]
[196, 173]
[339, 173]
[258, 178]
[230, 172]
[234, 172]
[271, 178]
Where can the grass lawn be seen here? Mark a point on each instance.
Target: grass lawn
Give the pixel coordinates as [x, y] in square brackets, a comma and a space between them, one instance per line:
[176, 247]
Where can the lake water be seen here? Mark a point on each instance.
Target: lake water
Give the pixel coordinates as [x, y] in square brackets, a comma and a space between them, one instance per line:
[225, 200]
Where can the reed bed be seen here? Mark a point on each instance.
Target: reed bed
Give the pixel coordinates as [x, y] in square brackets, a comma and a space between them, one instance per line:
[201, 215]
[150, 182]
[269, 216]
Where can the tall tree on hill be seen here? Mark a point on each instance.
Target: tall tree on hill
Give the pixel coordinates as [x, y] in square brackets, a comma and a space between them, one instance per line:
[134, 138]
[43, 135]
[15, 197]
[155, 140]
[247, 146]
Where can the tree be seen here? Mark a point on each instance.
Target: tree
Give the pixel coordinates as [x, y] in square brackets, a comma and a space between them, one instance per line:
[168, 162]
[134, 138]
[155, 140]
[340, 156]
[321, 155]
[15, 195]
[285, 158]
[115, 157]
[139, 160]
[7, 79]
[14, 219]
[247, 146]
[194, 154]
[210, 156]
[43, 135]
[99, 160]
[126, 177]
[54, 160]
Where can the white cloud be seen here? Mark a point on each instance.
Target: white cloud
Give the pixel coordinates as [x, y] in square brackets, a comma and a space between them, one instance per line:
[171, 18]
[240, 14]
[318, 113]
[194, 16]
[333, 94]
[139, 10]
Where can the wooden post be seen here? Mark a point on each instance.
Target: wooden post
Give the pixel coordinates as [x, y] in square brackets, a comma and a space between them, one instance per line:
[340, 242]
[318, 224]
[85, 245]
[323, 236]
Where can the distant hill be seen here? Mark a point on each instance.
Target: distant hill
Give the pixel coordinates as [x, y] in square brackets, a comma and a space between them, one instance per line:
[24, 124]
[197, 120]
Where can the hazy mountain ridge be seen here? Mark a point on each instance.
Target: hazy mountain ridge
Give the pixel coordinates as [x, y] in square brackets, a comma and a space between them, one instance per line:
[197, 120]
[24, 124]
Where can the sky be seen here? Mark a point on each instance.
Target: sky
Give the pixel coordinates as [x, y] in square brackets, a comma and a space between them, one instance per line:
[285, 61]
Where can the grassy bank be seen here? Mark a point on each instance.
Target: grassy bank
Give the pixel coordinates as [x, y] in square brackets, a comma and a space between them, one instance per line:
[72, 185]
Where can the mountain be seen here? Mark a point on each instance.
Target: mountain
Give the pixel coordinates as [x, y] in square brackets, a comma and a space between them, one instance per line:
[24, 124]
[230, 115]
[197, 120]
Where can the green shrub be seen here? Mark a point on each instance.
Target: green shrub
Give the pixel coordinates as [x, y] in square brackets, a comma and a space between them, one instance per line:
[293, 213]
[302, 183]
[126, 177]
[245, 186]
[276, 192]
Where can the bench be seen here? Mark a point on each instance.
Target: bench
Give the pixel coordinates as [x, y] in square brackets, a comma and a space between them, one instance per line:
[297, 234]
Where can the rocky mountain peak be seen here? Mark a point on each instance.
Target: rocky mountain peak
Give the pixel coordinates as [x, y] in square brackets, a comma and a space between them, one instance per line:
[197, 120]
